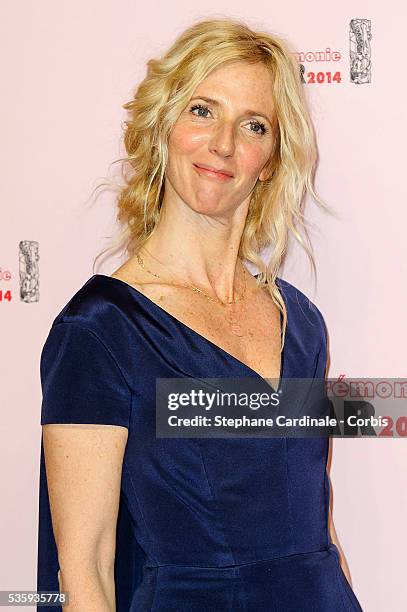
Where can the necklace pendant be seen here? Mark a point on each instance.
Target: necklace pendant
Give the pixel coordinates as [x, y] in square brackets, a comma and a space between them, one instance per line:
[233, 319]
[232, 314]
[236, 330]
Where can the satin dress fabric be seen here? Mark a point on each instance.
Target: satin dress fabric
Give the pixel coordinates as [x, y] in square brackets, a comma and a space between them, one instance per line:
[204, 525]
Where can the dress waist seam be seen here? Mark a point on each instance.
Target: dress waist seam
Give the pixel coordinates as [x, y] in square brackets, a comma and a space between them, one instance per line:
[229, 567]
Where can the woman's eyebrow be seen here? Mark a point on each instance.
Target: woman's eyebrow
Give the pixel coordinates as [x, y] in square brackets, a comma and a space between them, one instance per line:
[216, 103]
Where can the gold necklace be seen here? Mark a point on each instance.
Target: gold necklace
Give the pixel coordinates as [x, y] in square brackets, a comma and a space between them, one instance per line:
[232, 315]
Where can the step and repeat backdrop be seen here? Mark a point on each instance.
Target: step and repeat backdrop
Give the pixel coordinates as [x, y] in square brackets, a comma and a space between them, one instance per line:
[67, 69]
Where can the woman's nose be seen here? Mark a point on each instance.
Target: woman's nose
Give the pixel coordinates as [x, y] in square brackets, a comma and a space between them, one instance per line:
[223, 139]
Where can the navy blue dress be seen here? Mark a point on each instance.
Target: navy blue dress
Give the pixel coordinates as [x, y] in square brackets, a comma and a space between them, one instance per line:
[205, 525]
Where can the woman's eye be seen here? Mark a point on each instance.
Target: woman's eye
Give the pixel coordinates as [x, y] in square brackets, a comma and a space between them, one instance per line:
[259, 128]
[258, 125]
[199, 107]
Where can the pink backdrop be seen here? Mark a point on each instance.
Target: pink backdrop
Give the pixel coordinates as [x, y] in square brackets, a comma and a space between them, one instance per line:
[67, 68]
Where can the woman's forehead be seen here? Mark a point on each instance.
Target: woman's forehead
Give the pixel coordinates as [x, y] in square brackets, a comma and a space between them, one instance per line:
[247, 85]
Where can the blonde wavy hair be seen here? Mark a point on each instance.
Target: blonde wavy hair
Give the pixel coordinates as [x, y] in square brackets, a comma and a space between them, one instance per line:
[276, 205]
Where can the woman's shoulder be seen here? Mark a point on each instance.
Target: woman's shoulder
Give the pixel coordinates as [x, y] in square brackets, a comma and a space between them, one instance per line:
[98, 306]
[300, 306]
[83, 370]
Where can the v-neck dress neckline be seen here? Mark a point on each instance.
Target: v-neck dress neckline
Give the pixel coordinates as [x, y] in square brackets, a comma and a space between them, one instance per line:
[203, 338]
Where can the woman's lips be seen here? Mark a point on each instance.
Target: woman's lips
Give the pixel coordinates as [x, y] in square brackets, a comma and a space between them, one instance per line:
[212, 173]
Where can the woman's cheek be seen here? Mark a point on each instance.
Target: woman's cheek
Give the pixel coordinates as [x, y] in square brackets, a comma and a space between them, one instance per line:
[254, 160]
[185, 138]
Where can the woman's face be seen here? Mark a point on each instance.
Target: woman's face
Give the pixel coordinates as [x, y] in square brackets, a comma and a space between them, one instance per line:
[226, 126]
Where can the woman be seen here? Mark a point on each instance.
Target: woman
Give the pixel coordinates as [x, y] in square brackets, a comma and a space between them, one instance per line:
[220, 153]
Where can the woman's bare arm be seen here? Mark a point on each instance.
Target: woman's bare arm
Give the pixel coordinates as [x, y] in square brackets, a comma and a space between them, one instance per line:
[83, 467]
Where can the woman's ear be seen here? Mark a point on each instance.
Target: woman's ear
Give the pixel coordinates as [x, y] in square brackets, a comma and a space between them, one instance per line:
[268, 168]
[266, 173]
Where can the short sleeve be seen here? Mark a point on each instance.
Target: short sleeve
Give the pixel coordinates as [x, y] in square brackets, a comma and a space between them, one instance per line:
[81, 380]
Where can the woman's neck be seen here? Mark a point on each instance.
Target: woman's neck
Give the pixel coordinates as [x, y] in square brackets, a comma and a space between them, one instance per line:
[193, 248]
